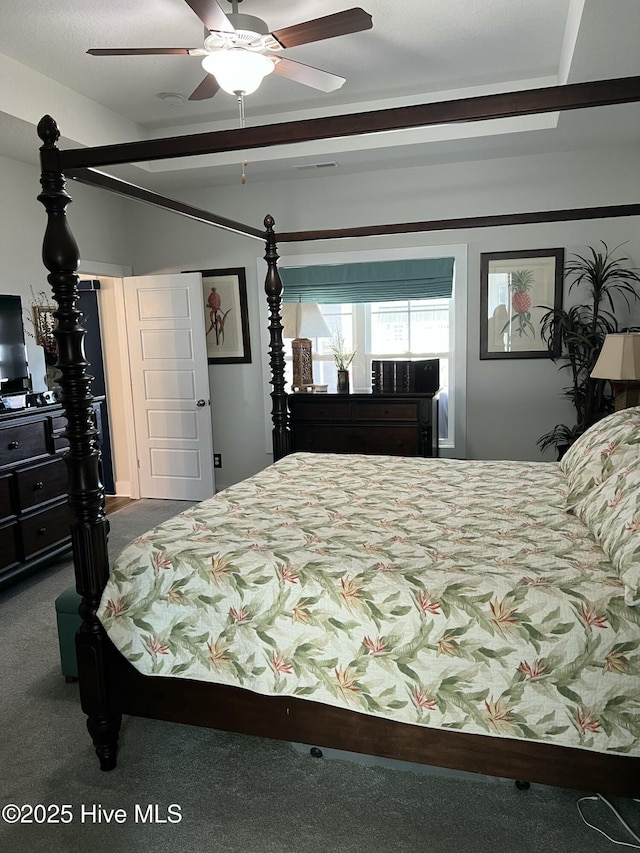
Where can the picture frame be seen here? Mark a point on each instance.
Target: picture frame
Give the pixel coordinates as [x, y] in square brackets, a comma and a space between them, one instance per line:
[226, 315]
[516, 291]
[43, 324]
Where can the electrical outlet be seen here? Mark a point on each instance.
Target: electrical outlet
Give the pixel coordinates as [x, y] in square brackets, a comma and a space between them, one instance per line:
[217, 460]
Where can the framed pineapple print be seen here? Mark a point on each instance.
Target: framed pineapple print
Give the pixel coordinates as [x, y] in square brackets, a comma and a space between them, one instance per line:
[516, 291]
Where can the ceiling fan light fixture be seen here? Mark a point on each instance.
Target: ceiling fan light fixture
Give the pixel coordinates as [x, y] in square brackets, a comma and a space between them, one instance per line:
[237, 70]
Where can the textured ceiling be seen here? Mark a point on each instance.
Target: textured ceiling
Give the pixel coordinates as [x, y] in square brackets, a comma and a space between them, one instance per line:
[417, 51]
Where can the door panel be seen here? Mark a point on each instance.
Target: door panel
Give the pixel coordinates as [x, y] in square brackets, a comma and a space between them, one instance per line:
[172, 424]
[176, 464]
[170, 383]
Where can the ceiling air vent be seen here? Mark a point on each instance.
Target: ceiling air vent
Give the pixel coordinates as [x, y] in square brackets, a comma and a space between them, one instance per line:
[330, 164]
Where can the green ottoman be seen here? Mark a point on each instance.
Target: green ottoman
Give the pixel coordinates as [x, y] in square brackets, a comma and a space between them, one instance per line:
[67, 604]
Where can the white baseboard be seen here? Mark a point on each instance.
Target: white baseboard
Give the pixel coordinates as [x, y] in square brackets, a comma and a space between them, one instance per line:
[123, 488]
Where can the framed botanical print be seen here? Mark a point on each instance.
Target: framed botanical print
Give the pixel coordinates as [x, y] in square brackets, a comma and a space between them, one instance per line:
[516, 290]
[224, 296]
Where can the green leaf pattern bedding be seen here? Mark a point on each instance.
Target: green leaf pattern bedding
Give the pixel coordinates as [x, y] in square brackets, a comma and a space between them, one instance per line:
[456, 595]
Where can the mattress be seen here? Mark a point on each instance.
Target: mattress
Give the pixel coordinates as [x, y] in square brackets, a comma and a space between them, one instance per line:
[451, 594]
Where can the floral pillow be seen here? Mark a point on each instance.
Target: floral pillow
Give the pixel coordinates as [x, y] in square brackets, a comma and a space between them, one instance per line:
[608, 446]
[612, 513]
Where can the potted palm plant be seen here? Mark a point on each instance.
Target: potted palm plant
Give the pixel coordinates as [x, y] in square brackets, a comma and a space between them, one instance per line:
[581, 330]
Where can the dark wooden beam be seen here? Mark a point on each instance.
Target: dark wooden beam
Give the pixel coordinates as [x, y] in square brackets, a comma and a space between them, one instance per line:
[574, 96]
[124, 188]
[464, 222]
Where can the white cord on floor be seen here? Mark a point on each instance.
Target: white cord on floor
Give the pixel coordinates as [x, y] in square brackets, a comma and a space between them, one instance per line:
[617, 814]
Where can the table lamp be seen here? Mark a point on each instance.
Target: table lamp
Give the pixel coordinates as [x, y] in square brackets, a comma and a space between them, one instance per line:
[619, 362]
[303, 321]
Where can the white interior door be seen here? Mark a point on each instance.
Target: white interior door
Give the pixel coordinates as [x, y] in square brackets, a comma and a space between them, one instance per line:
[170, 386]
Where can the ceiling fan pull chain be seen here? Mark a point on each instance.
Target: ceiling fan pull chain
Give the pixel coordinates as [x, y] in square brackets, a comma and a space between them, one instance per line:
[241, 110]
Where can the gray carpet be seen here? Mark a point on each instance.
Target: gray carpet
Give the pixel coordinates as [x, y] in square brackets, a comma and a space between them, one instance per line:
[235, 794]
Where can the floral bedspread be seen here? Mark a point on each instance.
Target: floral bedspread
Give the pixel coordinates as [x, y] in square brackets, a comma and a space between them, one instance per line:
[450, 594]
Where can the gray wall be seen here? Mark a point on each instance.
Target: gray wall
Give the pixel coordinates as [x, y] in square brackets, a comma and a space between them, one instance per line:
[99, 223]
[509, 404]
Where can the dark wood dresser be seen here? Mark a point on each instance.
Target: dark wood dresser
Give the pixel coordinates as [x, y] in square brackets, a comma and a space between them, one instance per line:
[34, 513]
[388, 424]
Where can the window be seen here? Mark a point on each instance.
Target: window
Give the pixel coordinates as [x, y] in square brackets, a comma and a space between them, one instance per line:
[403, 329]
[408, 327]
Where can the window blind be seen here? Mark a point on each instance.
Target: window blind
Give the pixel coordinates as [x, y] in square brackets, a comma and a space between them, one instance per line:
[375, 281]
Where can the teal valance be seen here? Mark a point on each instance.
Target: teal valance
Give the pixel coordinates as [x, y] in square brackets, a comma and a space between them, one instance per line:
[373, 281]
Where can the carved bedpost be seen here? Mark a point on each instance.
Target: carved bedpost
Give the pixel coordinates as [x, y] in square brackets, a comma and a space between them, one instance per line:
[273, 289]
[89, 526]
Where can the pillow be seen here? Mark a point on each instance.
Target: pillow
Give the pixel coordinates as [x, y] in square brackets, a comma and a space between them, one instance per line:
[605, 448]
[612, 513]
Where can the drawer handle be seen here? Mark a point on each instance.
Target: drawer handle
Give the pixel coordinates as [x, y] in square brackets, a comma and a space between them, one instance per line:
[42, 531]
[39, 485]
[386, 411]
[14, 445]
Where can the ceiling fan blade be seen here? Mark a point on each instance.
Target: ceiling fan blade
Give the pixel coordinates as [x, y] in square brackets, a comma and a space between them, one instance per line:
[211, 15]
[139, 51]
[341, 24]
[306, 74]
[206, 89]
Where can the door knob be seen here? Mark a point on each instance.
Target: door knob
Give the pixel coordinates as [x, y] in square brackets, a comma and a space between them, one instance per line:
[201, 403]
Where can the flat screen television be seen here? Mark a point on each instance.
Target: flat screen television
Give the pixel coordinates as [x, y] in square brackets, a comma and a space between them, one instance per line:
[14, 368]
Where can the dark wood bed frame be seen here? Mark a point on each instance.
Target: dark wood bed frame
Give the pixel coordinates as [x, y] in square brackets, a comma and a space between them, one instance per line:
[109, 686]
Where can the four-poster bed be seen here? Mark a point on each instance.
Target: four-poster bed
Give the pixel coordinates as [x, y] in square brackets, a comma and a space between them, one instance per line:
[110, 686]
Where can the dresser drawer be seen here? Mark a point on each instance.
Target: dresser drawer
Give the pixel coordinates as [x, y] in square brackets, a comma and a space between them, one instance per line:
[58, 425]
[41, 483]
[22, 442]
[386, 410]
[45, 528]
[317, 439]
[6, 505]
[313, 410]
[8, 546]
[390, 441]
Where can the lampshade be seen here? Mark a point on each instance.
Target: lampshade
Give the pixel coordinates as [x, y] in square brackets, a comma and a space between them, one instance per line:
[237, 70]
[303, 320]
[619, 358]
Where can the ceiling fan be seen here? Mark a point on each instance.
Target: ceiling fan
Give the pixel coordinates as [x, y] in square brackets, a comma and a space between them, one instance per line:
[239, 50]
